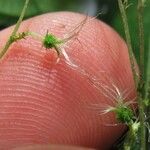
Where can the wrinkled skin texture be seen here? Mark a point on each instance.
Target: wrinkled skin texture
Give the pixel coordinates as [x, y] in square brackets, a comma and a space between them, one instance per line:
[42, 102]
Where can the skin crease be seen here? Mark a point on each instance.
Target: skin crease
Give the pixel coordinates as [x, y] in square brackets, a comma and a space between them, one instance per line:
[42, 102]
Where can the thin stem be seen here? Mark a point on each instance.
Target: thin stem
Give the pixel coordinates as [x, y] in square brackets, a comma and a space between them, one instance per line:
[131, 55]
[9, 42]
[141, 36]
[129, 141]
[147, 93]
[141, 94]
[36, 36]
[128, 40]
[142, 125]
[147, 83]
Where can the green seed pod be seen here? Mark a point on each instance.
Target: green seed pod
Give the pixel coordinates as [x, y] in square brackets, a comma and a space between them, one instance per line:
[124, 114]
[50, 41]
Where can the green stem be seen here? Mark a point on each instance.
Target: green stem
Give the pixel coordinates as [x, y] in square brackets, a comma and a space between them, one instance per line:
[147, 92]
[141, 94]
[142, 125]
[131, 55]
[129, 139]
[128, 40]
[9, 42]
[147, 83]
[141, 36]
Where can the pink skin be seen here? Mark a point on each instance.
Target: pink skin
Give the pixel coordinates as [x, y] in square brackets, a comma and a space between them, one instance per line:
[46, 103]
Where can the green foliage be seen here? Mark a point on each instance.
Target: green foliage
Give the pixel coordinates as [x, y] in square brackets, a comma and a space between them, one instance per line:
[10, 10]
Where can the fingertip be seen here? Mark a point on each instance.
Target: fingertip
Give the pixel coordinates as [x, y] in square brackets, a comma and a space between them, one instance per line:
[49, 100]
[52, 147]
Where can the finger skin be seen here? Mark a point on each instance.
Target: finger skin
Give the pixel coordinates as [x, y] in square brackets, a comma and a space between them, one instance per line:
[42, 102]
[52, 147]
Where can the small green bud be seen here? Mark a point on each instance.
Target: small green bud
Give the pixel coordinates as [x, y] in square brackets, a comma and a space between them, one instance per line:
[124, 114]
[50, 41]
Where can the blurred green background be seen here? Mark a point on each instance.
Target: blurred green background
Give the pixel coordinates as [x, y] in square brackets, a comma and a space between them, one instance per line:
[10, 11]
